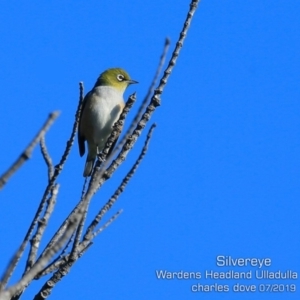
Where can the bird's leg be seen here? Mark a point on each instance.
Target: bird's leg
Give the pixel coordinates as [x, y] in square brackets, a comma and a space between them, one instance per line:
[100, 155]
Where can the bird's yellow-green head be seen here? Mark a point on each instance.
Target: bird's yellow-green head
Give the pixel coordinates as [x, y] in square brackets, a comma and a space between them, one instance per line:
[116, 77]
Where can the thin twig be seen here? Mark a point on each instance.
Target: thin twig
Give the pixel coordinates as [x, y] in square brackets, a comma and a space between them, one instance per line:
[70, 142]
[46, 157]
[28, 151]
[42, 224]
[74, 251]
[84, 186]
[112, 219]
[179, 44]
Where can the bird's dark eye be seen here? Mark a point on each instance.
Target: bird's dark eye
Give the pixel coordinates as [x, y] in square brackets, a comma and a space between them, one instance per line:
[120, 77]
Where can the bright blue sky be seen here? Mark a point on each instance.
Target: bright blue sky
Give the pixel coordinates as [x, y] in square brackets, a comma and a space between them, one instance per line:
[221, 176]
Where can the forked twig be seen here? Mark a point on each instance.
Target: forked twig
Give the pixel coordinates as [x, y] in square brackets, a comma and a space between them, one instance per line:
[46, 157]
[25, 155]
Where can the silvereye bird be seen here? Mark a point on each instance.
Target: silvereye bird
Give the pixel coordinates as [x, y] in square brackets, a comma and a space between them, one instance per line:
[101, 108]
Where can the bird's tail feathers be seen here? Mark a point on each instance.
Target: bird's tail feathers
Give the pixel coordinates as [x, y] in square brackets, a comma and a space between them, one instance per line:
[88, 168]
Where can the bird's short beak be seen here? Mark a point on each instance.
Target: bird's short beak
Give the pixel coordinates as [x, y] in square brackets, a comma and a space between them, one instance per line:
[132, 81]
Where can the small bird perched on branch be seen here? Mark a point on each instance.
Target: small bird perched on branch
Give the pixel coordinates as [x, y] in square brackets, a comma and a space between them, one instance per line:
[101, 108]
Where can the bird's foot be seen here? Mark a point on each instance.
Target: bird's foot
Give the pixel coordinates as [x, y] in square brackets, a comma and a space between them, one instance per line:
[101, 157]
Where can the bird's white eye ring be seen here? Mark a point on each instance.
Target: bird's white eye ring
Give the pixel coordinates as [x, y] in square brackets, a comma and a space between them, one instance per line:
[120, 77]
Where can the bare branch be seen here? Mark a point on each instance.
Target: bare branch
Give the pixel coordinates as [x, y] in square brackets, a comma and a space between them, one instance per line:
[39, 265]
[28, 151]
[58, 261]
[50, 185]
[89, 233]
[65, 265]
[62, 259]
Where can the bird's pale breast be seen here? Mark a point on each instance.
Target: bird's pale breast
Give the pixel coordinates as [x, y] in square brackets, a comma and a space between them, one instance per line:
[102, 109]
